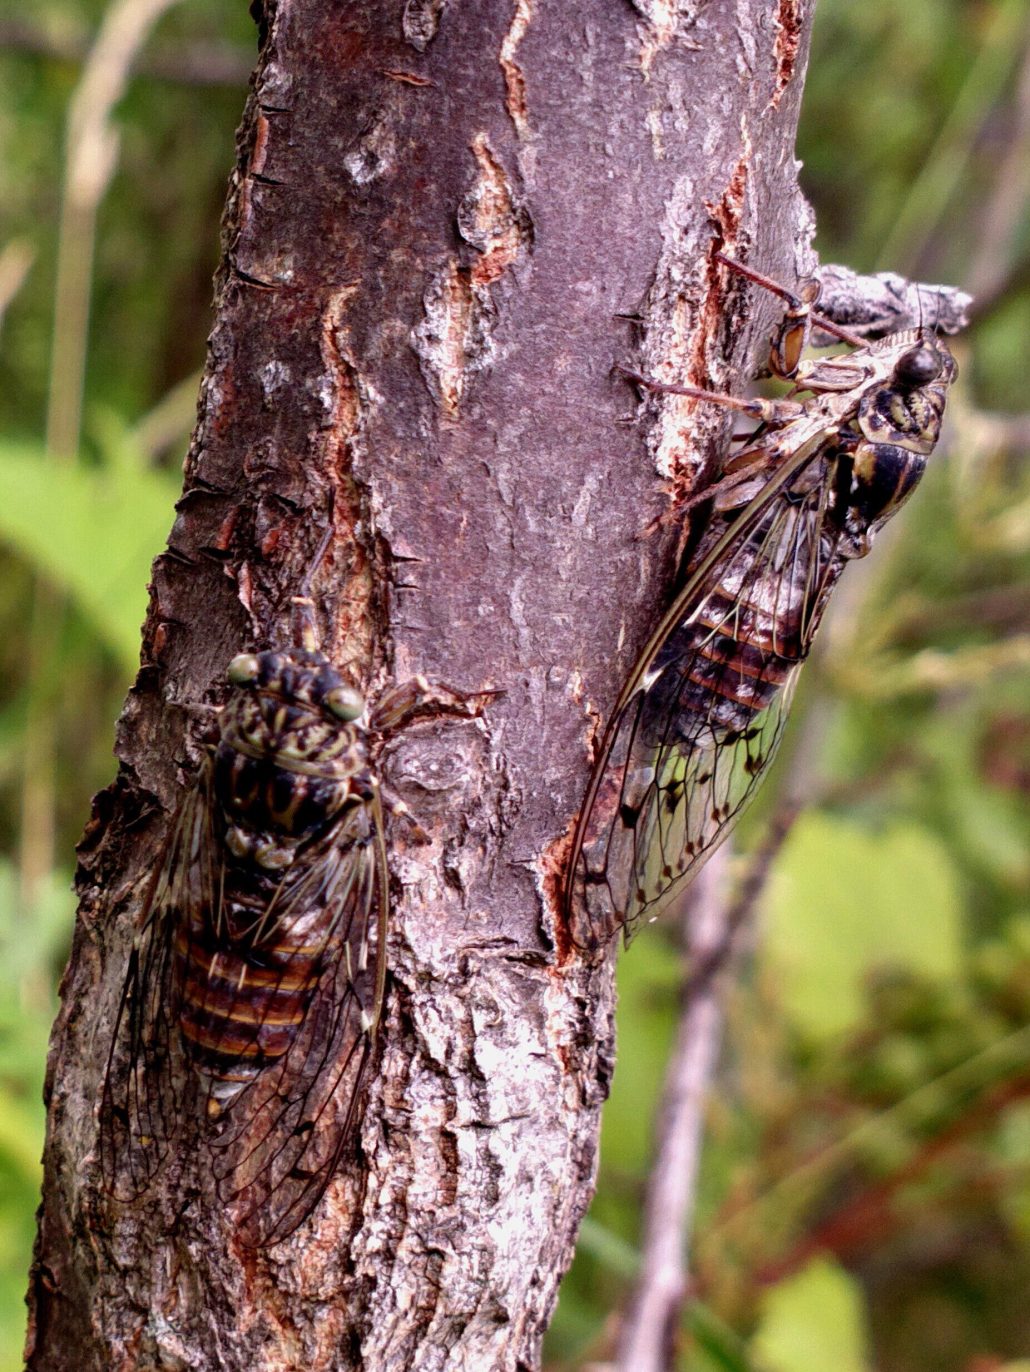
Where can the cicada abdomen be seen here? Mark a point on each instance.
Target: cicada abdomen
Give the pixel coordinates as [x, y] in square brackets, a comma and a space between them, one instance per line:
[257, 978]
[702, 714]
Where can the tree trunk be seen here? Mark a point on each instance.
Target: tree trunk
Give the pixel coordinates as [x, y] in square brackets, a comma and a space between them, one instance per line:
[446, 224]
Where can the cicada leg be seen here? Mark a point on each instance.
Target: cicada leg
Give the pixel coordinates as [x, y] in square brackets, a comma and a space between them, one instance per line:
[417, 697]
[768, 411]
[792, 337]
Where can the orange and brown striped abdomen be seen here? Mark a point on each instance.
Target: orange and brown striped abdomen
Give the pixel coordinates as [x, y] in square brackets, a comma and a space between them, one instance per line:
[243, 1003]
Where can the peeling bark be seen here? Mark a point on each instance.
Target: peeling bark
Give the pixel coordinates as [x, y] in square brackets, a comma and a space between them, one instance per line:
[445, 226]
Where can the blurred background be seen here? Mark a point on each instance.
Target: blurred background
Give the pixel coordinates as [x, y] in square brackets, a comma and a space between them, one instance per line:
[865, 1193]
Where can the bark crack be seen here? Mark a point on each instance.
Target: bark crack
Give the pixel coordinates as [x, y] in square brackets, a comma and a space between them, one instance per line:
[788, 20]
[455, 338]
[516, 102]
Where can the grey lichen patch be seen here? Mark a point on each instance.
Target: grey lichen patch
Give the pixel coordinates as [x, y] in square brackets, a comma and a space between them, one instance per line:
[273, 376]
[455, 337]
[685, 343]
[374, 153]
[671, 438]
[420, 21]
[341, 391]
[667, 22]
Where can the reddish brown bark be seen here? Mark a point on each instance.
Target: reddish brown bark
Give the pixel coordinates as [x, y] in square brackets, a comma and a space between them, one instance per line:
[446, 224]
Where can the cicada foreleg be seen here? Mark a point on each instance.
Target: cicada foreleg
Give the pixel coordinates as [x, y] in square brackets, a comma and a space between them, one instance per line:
[767, 411]
[794, 332]
[419, 698]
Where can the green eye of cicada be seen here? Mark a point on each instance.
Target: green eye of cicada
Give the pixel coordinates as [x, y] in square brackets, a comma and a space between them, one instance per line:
[345, 703]
[243, 669]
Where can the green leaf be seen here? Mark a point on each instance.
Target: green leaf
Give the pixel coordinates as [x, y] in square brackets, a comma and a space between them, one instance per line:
[93, 531]
[846, 899]
[813, 1320]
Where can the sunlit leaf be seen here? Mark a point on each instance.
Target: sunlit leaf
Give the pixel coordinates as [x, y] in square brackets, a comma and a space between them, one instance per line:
[814, 1320]
[846, 899]
[89, 531]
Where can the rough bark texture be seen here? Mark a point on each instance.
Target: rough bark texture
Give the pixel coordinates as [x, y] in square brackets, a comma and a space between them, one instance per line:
[445, 226]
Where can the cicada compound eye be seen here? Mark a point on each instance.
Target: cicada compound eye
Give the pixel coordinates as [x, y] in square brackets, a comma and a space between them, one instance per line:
[345, 703]
[243, 669]
[918, 367]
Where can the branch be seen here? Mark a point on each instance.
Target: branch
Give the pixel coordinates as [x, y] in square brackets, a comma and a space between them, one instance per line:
[187, 64]
[886, 303]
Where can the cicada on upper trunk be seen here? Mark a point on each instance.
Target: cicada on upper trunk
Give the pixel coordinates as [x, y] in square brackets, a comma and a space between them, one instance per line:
[256, 979]
[700, 718]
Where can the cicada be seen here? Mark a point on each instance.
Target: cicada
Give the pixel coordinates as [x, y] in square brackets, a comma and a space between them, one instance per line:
[257, 976]
[702, 714]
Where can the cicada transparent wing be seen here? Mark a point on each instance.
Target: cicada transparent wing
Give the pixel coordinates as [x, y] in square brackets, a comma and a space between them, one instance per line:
[144, 1097]
[286, 1131]
[703, 713]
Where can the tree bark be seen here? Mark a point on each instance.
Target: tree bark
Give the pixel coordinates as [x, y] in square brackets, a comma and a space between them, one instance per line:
[445, 226]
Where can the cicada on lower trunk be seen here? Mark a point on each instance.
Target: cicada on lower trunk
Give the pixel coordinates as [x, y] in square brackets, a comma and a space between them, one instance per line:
[700, 718]
[256, 979]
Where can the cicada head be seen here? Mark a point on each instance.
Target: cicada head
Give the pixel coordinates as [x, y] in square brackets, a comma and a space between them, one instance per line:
[291, 704]
[292, 751]
[906, 409]
[899, 422]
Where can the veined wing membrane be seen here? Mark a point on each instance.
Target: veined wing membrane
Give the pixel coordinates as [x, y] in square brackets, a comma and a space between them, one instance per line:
[287, 1128]
[703, 713]
[146, 1086]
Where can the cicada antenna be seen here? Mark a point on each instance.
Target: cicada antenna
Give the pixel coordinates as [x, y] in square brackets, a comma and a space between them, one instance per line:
[305, 632]
[936, 314]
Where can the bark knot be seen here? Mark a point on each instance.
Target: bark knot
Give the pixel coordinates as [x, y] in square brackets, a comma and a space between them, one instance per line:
[420, 21]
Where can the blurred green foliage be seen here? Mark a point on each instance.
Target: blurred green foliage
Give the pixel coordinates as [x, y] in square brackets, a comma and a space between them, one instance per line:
[865, 1192]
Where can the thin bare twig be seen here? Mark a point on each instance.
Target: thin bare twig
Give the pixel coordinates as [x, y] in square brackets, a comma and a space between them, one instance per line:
[996, 253]
[15, 264]
[92, 155]
[186, 64]
[935, 185]
[713, 926]
[885, 303]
